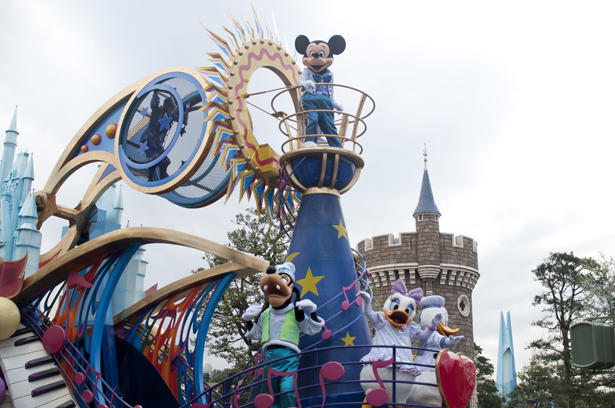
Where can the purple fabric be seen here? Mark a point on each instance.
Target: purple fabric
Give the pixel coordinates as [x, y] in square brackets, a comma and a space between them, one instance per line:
[400, 287]
[416, 294]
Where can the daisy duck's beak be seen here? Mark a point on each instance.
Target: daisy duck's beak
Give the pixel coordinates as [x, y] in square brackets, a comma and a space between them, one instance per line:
[398, 318]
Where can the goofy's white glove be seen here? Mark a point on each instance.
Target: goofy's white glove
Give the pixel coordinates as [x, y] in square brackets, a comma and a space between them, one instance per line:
[251, 313]
[306, 305]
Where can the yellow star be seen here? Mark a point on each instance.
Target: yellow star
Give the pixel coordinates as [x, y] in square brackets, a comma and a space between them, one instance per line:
[308, 284]
[341, 230]
[348, 341]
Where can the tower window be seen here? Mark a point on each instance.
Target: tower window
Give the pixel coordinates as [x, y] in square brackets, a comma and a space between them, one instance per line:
[420, 217]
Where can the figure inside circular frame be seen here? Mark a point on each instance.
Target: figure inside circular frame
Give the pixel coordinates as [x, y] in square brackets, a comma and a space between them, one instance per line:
[162, 129]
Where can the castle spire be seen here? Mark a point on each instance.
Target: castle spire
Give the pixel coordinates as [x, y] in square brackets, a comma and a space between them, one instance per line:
[10, 143]
[13, 125]
[427, 204]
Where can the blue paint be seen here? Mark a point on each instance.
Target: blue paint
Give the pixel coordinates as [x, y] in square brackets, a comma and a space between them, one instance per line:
[320, 250]
[199, 347]
[106, 144]
[308, 172]
[98, 329]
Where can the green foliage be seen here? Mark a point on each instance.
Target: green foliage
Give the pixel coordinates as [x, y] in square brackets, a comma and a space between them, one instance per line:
[550, 377]
[486, 388]
[227, 331]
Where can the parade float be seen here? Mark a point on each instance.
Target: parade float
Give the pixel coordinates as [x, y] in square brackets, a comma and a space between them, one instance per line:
[74, 330]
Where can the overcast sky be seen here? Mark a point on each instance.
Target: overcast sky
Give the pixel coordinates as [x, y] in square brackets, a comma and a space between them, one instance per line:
[514, 101]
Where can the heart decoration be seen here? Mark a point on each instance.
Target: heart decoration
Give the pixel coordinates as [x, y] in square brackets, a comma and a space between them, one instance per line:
[456, 375]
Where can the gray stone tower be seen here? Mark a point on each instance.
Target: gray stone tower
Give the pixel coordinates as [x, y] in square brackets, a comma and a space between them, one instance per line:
[441, 263]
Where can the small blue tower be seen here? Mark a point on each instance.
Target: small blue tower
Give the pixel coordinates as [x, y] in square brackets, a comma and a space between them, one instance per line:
[506, 373]
[18, 216]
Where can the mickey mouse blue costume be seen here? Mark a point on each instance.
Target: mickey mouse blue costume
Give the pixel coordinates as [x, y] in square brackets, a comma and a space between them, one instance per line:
[317, 58]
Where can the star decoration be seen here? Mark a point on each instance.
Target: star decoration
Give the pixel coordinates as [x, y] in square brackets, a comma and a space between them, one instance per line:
[144, 111]
[348, 341]
[308, 284]
[143, 147]
[165, 122]
[341, 230]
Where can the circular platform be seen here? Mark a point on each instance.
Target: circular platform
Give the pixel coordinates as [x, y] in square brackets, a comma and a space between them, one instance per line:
[321, 169]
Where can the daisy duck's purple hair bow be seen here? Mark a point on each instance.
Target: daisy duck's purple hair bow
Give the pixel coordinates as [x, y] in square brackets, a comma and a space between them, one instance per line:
[400, 287]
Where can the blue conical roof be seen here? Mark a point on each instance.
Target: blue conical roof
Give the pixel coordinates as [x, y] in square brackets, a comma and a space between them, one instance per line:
[426, 202]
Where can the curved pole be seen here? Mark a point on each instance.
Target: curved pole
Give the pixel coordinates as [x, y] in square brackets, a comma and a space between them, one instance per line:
[58, 269]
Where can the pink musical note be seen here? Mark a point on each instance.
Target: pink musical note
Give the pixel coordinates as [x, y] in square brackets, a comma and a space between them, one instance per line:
[379, 396]
[266, 400]
[332, 371]
[326, 335]
[75, 279]
[358, 301]
[258, 358]
[236, 397]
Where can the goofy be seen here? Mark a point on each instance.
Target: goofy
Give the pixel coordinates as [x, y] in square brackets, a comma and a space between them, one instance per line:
[278, 325]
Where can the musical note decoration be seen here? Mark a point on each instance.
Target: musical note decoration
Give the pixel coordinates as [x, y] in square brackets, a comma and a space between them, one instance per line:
[331, 371]
[326, 334]
[379, 396]
[266, 400]
[236, 397]
[358, 301]
[54, 339]
[75, 279]
[87, 395]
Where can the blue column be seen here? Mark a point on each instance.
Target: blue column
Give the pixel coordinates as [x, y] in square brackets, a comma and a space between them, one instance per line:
[320, 250]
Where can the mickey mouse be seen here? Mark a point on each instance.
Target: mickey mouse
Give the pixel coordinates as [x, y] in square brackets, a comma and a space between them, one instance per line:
[278, 327]
[318, 57]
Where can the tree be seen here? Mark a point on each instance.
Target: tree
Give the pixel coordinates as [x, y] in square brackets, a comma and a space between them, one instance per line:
[227, 331]
[563, 276]
[600, 287]
[486, 388]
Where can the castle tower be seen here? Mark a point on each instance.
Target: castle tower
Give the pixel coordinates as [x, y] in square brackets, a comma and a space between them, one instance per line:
[427, 219]
[15, 189]
[506, 377]
[10, 144]
[27, 237]
[441, 263]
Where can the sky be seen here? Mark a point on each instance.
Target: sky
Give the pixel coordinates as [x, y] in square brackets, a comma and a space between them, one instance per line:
[514, 101]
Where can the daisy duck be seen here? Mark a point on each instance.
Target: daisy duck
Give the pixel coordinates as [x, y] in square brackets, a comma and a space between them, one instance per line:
[317, 58]
[440, 338]
[277, 326]
[394, 327]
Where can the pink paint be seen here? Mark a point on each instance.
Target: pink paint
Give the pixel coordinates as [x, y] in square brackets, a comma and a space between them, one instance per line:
[79, 378]
[54, 339]
[75, 279]
[88, 396]
[253, 56]
[379, 396]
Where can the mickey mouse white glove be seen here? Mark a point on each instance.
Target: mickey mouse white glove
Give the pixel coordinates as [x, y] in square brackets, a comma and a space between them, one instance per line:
[309, 85]
[306, 305]
[251, 313]
[337, 106]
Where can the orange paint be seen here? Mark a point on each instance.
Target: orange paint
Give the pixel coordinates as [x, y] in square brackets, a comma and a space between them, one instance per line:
[111, 130]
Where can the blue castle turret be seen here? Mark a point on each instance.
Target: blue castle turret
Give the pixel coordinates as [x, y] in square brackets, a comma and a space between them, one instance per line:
[18, 216]
[506, 374]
